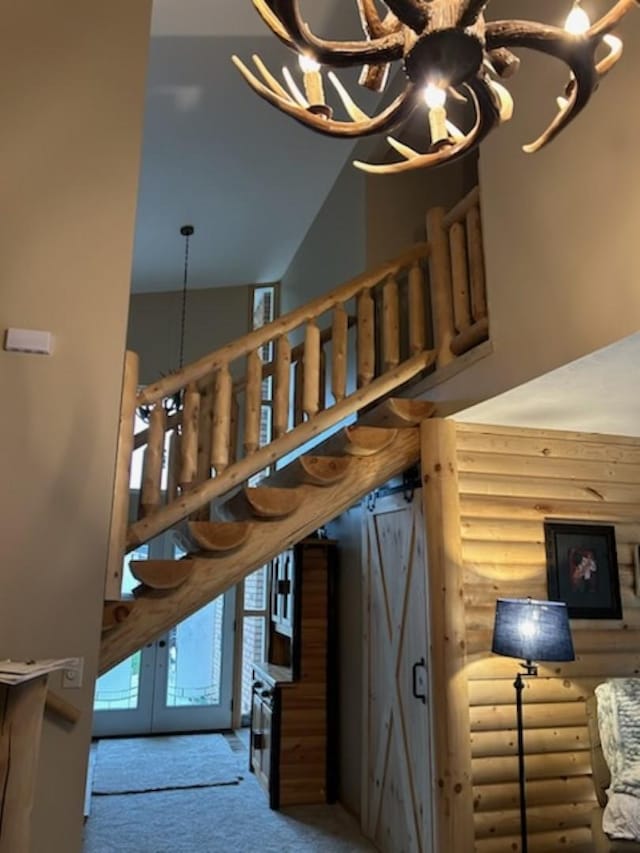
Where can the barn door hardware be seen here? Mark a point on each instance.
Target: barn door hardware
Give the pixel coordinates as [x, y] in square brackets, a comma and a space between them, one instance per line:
[420, 664]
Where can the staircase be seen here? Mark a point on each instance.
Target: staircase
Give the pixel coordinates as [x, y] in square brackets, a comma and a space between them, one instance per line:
[336, 367]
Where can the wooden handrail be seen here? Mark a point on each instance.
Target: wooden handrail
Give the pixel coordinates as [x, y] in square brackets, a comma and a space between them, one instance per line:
[171, 514]
[141, 438]
[207, 364]
[460, 210]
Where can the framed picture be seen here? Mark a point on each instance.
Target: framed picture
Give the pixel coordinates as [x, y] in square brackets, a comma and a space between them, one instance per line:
[582, 569]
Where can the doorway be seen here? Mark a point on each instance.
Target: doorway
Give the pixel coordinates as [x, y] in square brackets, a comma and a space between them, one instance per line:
[182, 682]
[398, 788]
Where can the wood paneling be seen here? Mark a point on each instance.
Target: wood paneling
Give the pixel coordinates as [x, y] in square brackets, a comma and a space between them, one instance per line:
[510, 481]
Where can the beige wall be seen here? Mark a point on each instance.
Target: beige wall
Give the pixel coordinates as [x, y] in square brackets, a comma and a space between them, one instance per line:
[73, 81]
[214, 318]
[560, 225]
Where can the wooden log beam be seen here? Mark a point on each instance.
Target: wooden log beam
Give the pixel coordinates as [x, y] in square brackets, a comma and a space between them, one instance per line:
[366, 342]
[189, 442]
[475, 248]
[460, 278]
[536, 690]
[59, 707]
[311, 381]
[417, 311]
[470, 337]
[151, 496]
[537, 715]
[339, 353]
[21, 713]
[548, 766]
[547, 818]
[540, 741]
[282, 386]
[440, 278]
[452, 752]
[221, 421]
[542, 792]
[211, 577]
[253, 400]
[120, 506]
[578, 840]
[391, 323]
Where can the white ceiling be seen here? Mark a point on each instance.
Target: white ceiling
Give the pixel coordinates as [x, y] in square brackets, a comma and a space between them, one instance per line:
[597, 393]
[250, 179]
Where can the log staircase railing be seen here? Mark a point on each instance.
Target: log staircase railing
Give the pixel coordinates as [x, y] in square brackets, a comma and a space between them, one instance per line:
[326, 361]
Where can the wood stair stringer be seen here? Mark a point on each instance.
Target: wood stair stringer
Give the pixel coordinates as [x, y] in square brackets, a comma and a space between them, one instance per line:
[156, 613]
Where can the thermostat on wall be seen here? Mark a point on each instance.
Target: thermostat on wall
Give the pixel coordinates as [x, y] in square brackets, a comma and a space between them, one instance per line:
[29, 340]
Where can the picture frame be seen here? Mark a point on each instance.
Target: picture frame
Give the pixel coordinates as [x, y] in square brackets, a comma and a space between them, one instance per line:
[582, 569]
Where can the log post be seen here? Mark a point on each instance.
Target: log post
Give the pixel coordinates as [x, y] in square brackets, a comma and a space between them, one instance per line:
[366, 338]
[221, 423]
[282, 386]
[417, 317]
[235, 422]
[339, 339]
[205, 428]
[253, 398]
[173, 466]
[452, 750]
[298, 388]
[120, 506]
[21, 714]
[391, 324]
[477, 279]
[150, 495]
[311, 382]
[189, 443]
[440, 277]
[460, 277]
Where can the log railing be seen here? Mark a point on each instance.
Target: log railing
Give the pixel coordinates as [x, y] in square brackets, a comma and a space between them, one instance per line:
[355, 345]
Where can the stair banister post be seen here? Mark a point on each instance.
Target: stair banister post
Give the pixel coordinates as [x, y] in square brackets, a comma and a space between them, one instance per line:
[120, 505]
[440, 277]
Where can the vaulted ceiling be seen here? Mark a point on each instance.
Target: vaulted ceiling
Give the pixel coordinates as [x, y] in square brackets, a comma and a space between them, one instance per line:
[250, 180]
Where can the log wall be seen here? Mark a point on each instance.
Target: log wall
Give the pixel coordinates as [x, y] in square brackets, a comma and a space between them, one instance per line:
[510, 481]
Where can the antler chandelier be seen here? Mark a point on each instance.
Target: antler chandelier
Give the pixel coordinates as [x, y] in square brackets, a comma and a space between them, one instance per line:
[448, 50]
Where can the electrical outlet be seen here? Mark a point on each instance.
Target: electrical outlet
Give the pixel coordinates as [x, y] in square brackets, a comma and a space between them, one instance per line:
[72, 676]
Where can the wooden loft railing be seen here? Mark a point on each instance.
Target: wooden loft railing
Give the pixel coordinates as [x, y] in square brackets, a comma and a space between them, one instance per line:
[356, 345]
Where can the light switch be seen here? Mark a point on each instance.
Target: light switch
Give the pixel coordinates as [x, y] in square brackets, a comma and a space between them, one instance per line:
[29, 340]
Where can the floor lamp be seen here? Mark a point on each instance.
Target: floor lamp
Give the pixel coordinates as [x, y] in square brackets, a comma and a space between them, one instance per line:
[532, 631]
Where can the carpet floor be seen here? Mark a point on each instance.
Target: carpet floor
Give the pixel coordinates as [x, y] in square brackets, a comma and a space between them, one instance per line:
[223, 818]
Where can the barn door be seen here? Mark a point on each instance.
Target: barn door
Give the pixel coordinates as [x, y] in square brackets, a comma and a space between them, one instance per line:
[397, 777]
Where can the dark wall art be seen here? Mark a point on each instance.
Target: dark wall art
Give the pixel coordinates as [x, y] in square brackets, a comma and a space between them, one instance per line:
[582, 569]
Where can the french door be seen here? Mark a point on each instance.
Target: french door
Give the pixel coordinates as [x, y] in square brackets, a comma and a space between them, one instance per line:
[181, 682]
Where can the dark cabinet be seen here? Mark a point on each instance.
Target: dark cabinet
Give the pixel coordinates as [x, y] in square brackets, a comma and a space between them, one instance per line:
[294, 698]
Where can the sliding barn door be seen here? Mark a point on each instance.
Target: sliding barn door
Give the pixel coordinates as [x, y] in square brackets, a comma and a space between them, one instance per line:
[397, 777]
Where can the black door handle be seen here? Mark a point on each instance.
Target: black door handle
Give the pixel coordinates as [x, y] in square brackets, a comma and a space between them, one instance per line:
[421, 696]
[162, 643]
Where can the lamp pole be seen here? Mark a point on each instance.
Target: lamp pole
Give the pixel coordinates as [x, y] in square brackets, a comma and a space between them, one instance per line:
[519, 685]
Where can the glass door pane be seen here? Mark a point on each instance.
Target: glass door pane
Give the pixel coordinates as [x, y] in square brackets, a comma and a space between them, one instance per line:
[194, 671]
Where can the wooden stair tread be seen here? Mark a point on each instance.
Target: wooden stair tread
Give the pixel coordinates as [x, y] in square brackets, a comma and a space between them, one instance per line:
[272, 502]
[324, 470]
[161, 574]
[399, 412]
[218, 536]
[367, 440]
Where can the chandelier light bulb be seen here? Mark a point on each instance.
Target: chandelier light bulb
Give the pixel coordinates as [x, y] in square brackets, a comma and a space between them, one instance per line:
[578, 22]
[434, 96]
[307, 64]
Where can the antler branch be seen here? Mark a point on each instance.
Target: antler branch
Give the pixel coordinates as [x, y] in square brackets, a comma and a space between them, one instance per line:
[396, 112]
[487, 117]
[411, 12]
[339, 54]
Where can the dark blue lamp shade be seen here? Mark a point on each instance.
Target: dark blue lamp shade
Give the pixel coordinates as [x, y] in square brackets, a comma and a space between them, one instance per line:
[532, 630]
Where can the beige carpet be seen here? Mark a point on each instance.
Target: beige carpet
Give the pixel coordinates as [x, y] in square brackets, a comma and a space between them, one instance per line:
[224, 819]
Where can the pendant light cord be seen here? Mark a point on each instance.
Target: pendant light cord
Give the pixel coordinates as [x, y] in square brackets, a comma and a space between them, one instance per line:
[187, 233]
